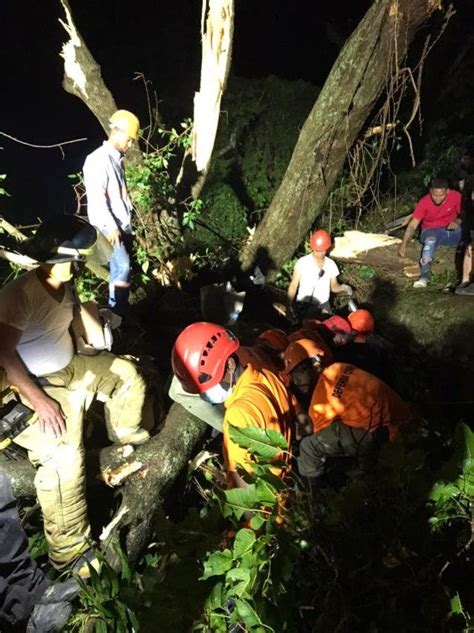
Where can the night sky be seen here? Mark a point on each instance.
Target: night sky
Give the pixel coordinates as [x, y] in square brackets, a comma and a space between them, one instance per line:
[159, 39]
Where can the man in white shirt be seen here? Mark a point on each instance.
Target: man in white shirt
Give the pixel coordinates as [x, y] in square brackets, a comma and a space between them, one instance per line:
[37, 355]
[315, 277]
[108, 204]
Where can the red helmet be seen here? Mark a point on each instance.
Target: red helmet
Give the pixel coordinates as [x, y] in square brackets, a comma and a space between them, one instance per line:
[361, 321]
[200, 354]
[320, 241]
[275, 339]
[299, 351]
[338, 325]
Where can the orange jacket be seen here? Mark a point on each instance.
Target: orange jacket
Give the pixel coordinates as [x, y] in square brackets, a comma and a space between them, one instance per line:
[356, 398]
[261, 400]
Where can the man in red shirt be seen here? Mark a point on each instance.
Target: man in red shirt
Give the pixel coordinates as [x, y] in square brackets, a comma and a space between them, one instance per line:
[439, 215]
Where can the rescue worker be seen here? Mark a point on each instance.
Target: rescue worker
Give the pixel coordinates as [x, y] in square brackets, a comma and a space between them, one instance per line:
[314, 278]
[363, 349]
[37, 354]
[109, 207]
[27, 599]
[205, 359]
[266, 353]
[352, 412]
[439, 213]
[338, 331]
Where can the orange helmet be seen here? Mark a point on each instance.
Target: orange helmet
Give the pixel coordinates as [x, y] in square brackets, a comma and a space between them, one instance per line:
[299, 351]
[313, 335]
[274, 338]
[200, 355]
[361, 321]
[320, 241]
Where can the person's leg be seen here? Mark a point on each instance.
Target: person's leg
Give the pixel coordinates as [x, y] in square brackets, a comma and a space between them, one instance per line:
[467, 264]
[60, 478]
[116, 382]
[21, 581]
[119, 279]
[336, 440]
[430, 239]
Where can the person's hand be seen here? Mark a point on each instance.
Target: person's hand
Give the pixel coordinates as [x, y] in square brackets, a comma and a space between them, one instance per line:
[347, 289]
[452, 226]
[304, 426]
[114, 238]
[401, 250]
[50, 417]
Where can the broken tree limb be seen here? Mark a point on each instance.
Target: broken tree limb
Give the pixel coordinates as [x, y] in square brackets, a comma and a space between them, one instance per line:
[162, 459]
[83, 77]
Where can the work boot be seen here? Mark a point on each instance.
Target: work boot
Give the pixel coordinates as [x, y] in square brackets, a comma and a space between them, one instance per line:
[49, 618]
[83, 564]
[65, 591]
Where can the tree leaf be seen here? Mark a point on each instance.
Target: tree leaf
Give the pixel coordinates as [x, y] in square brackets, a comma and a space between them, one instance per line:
[217, 564]
[247, 613]
[265, 443]
[244, 542]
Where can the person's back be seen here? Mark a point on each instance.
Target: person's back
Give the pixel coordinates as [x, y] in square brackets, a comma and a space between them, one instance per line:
[368, 355]
[357, 399]
[258, 400]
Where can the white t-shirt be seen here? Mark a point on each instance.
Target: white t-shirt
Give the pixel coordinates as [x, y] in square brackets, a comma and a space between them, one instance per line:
[314, 287]
[46, 345]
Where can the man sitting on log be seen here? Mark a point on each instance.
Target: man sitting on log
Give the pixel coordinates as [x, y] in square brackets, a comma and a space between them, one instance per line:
[37, 354]
[438, 212]
[205, 359]
[352, 412]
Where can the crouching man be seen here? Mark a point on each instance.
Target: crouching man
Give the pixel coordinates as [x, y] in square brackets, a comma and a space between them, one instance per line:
[205, 359]
[37, 354]
[352, 412]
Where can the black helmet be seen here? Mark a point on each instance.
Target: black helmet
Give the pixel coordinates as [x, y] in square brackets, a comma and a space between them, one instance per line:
[67, 238]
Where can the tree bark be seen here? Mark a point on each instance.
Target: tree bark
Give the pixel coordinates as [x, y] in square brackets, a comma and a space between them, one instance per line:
[352, 88]
[158, 463]
[83, 77]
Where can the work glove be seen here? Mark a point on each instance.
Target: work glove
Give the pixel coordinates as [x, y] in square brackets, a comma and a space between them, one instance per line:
[347, 289]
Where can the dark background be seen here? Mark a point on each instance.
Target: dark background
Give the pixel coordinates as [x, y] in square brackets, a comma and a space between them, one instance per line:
[291, 39]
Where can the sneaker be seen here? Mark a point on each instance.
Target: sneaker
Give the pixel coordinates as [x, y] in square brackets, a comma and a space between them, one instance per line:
[465, 289]
[420, 283]
[49, 618]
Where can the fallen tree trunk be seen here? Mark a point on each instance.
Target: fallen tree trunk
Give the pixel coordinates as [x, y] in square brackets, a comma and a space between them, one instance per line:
[157, 464]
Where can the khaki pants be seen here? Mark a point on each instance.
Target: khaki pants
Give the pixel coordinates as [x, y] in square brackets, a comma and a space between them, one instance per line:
[60, 479]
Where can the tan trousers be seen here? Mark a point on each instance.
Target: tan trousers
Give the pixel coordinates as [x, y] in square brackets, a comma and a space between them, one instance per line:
[60, 479]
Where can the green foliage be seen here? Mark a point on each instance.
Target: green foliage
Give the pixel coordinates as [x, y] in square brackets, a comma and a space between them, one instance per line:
[223, 220]
[252, 573]
[89, 287]
[37, 545]
[106, 599]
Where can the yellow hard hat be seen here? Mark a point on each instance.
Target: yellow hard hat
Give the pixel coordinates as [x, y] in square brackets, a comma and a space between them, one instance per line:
[126, 122]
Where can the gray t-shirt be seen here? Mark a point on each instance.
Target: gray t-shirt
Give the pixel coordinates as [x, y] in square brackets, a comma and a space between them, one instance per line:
[46, 345]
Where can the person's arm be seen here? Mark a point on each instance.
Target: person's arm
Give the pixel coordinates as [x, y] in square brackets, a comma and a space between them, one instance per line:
[409, 232]
[455, 224]
[48, 411]
[95, 182]
[293, 287]
[337, 287]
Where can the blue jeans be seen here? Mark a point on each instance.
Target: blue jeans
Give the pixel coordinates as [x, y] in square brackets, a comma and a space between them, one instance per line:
[119, 278]
[431, 239]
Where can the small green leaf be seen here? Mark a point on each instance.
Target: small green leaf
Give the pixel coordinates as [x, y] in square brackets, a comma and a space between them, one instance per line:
[265, 443]
[247, 613]
[244, 542]
[217, 564]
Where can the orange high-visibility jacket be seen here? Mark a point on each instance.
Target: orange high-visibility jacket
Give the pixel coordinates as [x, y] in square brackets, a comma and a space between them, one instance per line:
[261, 400]
[356, 398]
